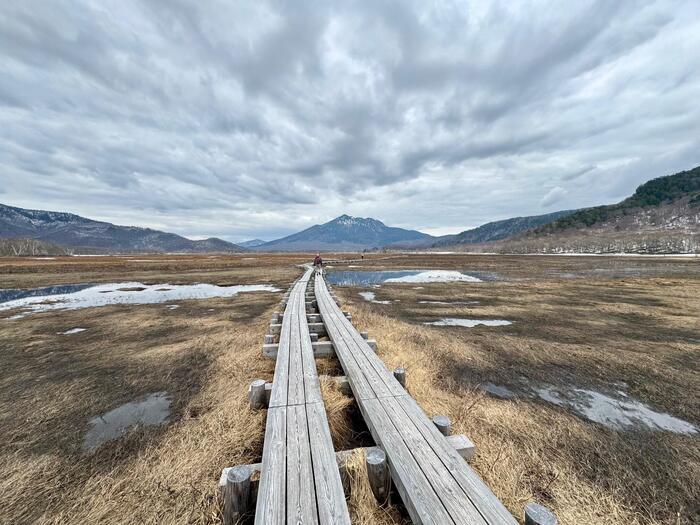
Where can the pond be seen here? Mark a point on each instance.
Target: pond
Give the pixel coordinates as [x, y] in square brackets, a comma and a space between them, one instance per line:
[369, 278]
[72, 297]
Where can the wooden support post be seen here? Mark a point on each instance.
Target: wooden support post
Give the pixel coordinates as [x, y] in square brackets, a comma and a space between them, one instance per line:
[536, 514]
[321, 349]
[256, 394]
[236, 494]
[269, 338]
[443, 424]
[463, 445]
[400, 375]
[378, 474]
[268, 393]
[341, 381]
[365, 335]
[314, 338]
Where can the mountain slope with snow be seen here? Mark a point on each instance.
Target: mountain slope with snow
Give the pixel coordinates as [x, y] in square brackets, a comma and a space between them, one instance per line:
[344, 233]
[82, 234]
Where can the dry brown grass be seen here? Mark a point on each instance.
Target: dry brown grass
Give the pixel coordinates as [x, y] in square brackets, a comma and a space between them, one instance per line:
[638, 330]
[641, 331]
[161, 475]
[52, 385]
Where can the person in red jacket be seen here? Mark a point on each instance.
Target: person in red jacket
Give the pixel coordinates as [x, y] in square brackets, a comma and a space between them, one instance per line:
[318, 262]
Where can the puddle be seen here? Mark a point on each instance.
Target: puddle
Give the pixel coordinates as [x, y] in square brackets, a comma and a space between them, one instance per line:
[618, 272]
[448, 302]
[371, 297]
[619, 414]
[499, 391]
[72, 331]
[154, 409]
[172, 306]
[11, 294]
[73, 297]
[468, 323]
[369, 278]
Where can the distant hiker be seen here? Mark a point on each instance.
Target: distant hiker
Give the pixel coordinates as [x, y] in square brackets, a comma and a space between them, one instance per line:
[318, 262]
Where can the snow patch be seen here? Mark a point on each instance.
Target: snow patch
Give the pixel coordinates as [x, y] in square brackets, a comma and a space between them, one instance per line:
[371, 297]
[468, 323]
[126, 293]
[620, 414]
[72, 331]
[435, 276]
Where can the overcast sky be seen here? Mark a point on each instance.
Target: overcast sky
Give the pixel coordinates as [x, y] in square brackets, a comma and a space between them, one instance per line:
[257, 119]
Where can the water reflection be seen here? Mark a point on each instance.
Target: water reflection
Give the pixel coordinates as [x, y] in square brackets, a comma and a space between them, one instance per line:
[14, 294]
[369, 278]
[154, 409]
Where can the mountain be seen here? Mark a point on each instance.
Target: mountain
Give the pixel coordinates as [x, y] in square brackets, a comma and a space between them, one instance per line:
[497, 230]
[81, 234]
[254, 243]
[662, 216]
[344, 233]
[654, 193]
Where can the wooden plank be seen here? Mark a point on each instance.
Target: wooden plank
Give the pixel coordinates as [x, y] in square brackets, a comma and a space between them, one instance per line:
[312, 388]
[456, 502]
[364, 354]
[296, 369]
[301, 494]
[341, 331]
[270, 507]
[476, 490]
[346, 354]
[280, 384]
[359, 384]
[418, 496]
[332, 508]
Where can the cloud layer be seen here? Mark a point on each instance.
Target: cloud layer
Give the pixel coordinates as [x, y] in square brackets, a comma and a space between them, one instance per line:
[255, 119]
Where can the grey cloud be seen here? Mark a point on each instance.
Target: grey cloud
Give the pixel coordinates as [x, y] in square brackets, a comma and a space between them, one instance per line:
[258, 118]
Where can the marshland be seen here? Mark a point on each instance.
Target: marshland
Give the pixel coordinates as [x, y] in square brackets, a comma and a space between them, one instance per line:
[585, 398]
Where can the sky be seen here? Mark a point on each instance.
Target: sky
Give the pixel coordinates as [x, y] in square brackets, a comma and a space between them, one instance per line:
[257, 119]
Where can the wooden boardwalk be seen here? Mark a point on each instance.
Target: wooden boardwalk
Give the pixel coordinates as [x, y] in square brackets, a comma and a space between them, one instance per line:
[436, 484]
[299, 482]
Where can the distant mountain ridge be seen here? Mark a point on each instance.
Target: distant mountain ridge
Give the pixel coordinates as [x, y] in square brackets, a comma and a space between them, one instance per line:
[653, 193]
[82, 234]
[662, 216]
[497, 230]
[344, 233]
[253, 243]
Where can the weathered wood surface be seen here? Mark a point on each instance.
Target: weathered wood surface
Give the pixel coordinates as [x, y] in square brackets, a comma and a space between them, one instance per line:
[299, 479]
[434, 481]
[370, 377]
[296, 379]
